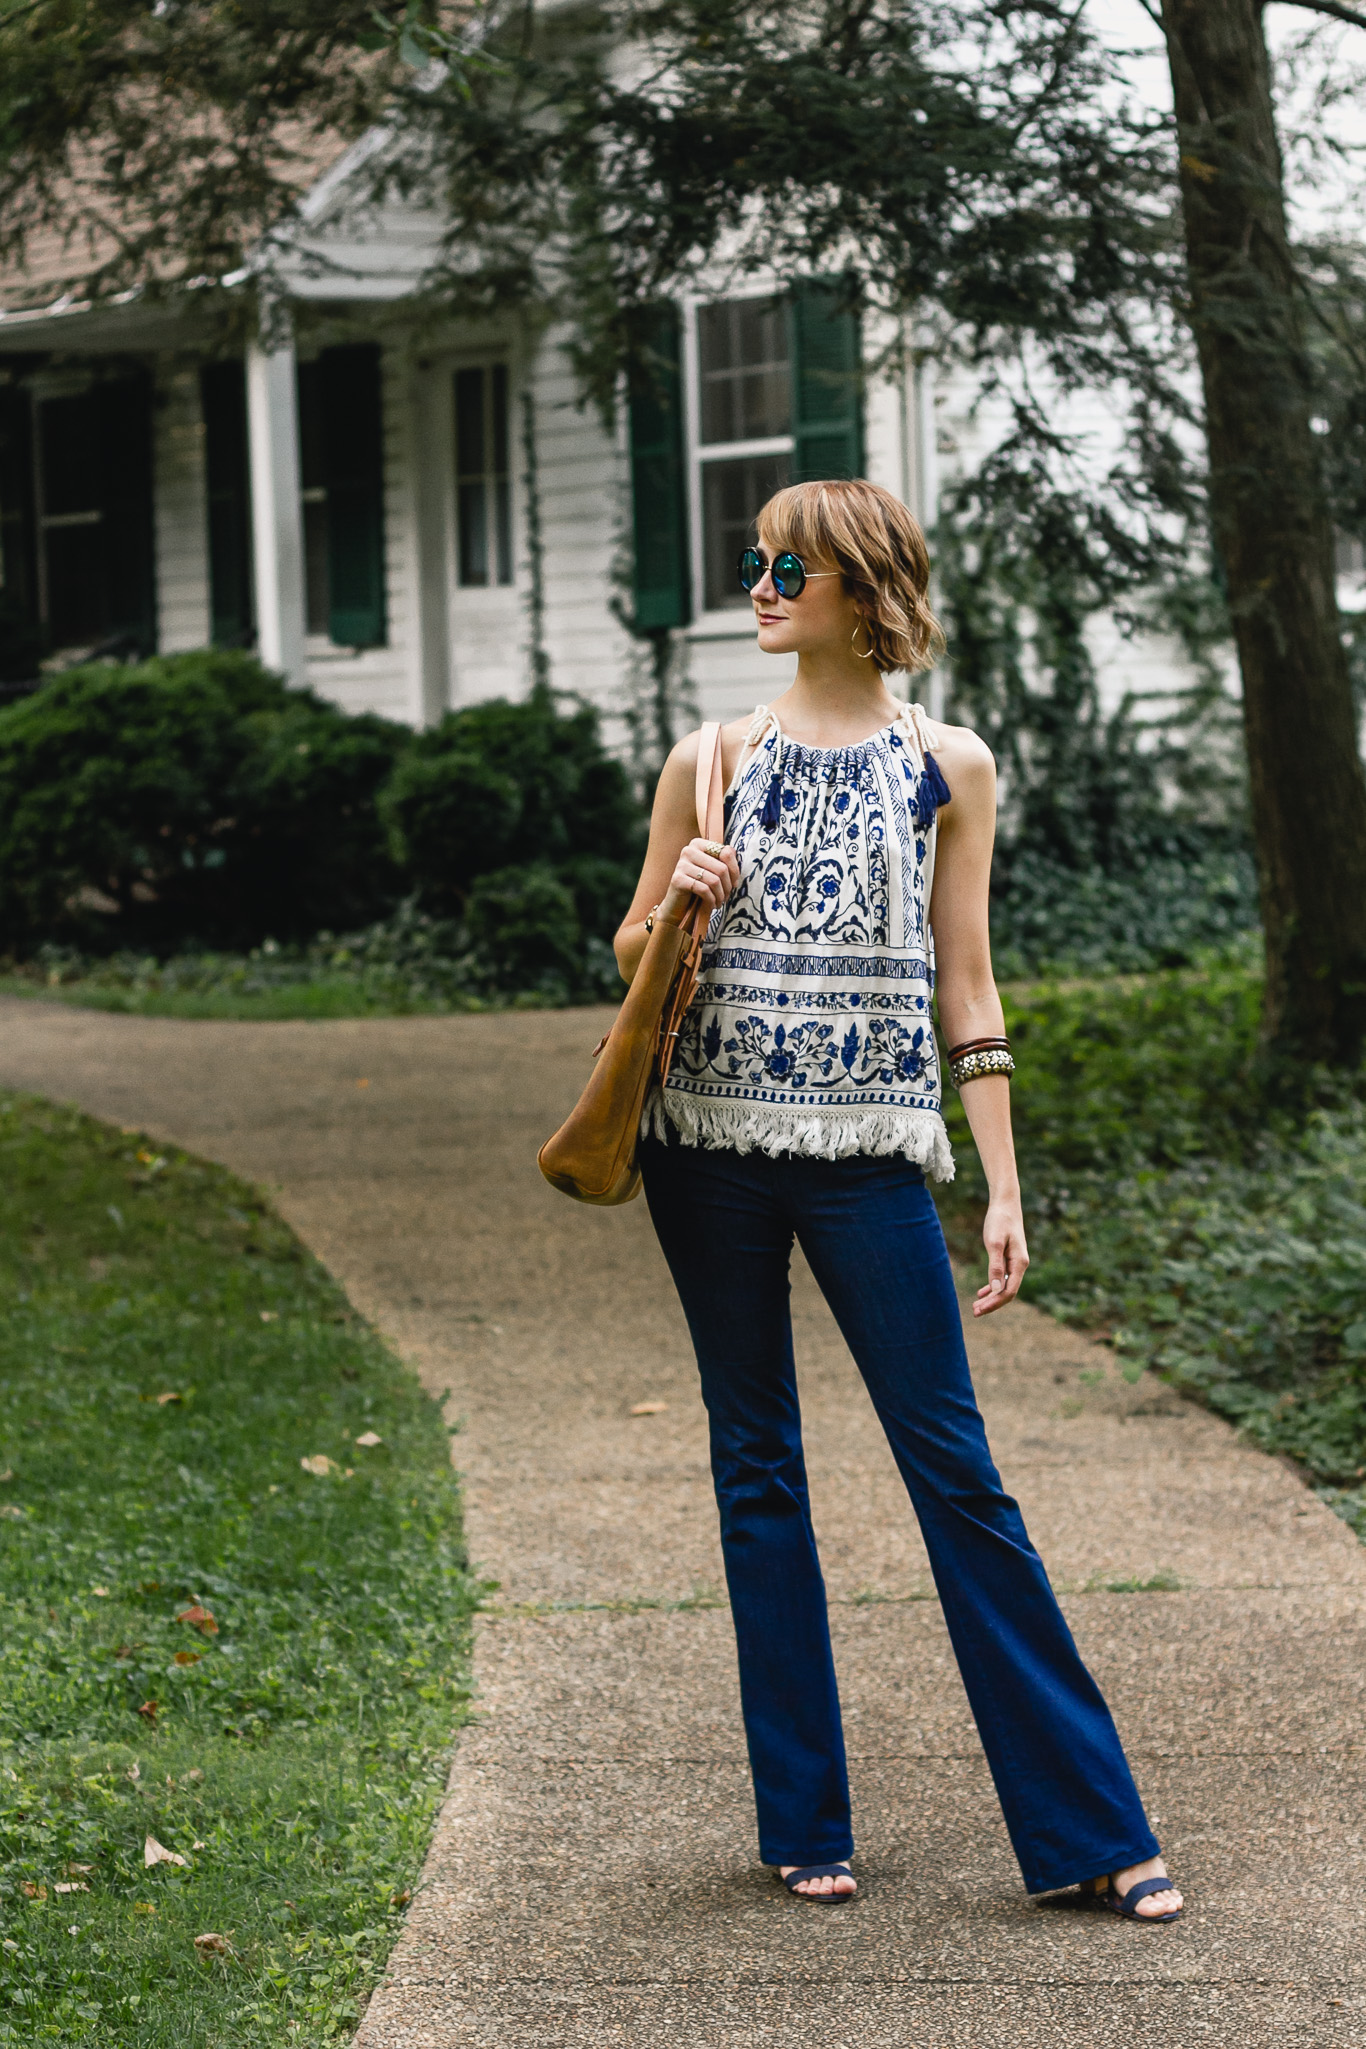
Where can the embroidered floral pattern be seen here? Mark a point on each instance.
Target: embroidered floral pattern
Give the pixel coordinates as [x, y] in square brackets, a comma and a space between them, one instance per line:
[810, 1028]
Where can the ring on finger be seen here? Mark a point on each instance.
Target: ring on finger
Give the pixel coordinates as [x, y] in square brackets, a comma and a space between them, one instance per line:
[714, 848]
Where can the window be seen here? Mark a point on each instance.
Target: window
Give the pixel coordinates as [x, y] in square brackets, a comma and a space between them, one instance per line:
[483, 482]
[744, 402]
[341, 460]
[92, 447]
[776, 398]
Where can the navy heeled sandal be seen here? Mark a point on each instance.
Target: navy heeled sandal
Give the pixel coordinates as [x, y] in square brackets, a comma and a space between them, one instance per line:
[1141, 1889]
[801, 1872]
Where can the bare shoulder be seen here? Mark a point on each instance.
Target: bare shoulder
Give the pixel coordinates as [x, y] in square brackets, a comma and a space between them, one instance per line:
[681, 765]
[965, 761]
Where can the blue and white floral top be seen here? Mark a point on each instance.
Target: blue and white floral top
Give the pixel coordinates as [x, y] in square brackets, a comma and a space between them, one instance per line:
[810, 1030]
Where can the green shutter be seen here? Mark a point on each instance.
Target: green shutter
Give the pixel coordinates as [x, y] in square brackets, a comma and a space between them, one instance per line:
[352, 428]
[223, 400]
[827, 388]
[662, 585]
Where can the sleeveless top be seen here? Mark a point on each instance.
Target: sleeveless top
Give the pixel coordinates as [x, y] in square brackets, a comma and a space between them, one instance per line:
[810, 1031]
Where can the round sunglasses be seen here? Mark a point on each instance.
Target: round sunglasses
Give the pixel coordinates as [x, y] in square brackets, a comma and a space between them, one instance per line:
[790, 574]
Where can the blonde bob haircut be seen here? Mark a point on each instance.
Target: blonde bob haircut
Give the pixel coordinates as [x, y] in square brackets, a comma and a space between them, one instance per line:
[880, 552]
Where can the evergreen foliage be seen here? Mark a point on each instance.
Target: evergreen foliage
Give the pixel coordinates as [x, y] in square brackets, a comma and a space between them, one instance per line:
[195, 800]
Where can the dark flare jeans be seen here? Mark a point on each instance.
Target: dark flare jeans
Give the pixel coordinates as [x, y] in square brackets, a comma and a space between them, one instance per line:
[871, 1236]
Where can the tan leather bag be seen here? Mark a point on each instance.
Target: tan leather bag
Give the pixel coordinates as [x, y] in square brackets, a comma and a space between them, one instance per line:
[593, 1154]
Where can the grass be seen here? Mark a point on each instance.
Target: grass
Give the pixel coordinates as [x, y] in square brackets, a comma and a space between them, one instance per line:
[321, 998]
[255, 1665]
[1181, 1202]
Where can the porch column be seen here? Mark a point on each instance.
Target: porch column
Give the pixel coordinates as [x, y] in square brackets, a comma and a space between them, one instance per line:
[276, 505]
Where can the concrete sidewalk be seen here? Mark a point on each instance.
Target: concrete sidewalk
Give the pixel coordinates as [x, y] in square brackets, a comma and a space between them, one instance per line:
[593, 1879]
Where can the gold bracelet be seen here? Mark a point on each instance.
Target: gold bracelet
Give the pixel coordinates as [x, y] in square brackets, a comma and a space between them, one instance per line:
[992, 1060]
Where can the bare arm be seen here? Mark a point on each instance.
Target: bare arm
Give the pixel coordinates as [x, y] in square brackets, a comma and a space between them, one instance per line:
[969, 1007]
[677, 867]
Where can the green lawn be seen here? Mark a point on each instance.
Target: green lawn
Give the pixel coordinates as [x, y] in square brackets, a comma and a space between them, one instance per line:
[327, 996]
[207, 1646]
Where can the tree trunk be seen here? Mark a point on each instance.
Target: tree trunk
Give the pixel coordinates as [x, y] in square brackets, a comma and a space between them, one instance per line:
[1273, 533]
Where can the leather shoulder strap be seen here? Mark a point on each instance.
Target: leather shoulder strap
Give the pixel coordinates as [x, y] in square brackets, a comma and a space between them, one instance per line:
[710, 790]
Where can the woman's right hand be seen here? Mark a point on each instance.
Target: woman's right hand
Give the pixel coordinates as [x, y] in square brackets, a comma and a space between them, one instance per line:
[699, 872]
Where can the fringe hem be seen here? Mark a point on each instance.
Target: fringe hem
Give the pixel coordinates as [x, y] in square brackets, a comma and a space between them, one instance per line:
[918, 1135]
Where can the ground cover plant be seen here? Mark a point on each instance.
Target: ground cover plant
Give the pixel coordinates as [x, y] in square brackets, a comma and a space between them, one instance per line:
[1183, 1202]
[235, 1603]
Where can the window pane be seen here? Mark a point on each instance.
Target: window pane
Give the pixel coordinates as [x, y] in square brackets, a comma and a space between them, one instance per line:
[746, 376]
[503, 500]
[483, 484]
[474, 540]
[732, 493]
[500, 419]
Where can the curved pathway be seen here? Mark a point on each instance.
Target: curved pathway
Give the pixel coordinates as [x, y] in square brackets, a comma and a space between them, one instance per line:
[593, 1879]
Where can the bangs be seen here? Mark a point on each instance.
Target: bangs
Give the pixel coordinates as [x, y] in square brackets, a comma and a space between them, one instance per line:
[798, 518]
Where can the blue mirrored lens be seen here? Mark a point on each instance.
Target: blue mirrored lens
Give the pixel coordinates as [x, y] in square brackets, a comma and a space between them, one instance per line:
[789, 576]
[751, 569]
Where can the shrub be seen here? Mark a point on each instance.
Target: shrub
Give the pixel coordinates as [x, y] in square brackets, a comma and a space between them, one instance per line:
[450, 817]
[189, 796]
[523, 922]
[498, 788]
[1182, 1201]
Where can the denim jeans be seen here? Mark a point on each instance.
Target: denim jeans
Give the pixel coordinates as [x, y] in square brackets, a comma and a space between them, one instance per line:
[871, 1236]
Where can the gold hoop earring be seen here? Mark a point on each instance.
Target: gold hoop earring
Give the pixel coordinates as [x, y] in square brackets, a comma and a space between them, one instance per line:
[867, 653]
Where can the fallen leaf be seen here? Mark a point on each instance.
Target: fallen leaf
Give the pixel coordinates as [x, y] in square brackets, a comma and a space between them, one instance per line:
[79, 1867]
[134, 1772]
[100, 1593]
[401, 1899]
[363, 1083]
[369, 1439]
[14, 1513]
[213, 1945]
[199, 1846]
[649, 1408]
[199, 1618]
[32, 1891]
[320, 1464]
[196, 1774]
[8, 1474]
[144, 1907]
[154, 1852]
[188, 1657]
[148, 1710]
[72, 1885]
[350, 1473]
[270, 1316]
[169, 1396]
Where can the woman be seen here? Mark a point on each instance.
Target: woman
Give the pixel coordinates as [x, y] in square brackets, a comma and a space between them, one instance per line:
[804, 1101]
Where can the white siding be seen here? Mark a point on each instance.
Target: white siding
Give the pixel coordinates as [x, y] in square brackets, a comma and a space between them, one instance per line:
[585, 513]
[180, 508]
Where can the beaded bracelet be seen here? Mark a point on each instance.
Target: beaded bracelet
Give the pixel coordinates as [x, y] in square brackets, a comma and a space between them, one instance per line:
[980, 1056]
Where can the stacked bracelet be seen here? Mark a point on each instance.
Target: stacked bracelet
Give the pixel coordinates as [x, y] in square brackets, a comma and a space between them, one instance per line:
[979, 1056]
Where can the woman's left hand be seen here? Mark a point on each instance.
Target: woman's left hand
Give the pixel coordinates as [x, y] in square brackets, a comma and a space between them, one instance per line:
[1007, 1256]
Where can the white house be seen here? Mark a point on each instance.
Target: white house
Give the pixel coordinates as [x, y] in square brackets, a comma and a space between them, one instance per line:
[409, 515]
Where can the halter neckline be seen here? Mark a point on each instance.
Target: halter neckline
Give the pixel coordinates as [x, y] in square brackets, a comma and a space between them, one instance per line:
[910, 722]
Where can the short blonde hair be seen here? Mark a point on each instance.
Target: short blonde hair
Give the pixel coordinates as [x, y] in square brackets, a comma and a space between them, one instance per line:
[880, 552]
